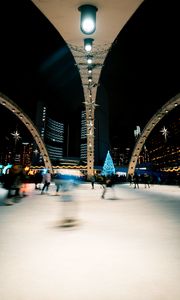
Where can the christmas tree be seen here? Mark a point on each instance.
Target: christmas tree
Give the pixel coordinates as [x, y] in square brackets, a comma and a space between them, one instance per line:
[108, 168]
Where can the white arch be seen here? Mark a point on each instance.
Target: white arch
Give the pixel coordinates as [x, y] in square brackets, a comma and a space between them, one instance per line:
[15, 109]
[171, 104]
[111, 18]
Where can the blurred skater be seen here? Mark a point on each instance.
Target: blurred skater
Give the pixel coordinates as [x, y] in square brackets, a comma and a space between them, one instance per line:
[136, 181]
[37, 180]
[69, 205]
[93, 180]
[13, 182]
[146, 180]
[108, 182]
[46, 181]
[57, 181]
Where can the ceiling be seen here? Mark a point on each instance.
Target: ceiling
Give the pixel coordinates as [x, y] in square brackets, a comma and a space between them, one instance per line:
[111, 17]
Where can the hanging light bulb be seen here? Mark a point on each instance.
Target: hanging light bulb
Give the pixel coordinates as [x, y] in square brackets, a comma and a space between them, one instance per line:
[88, 18]
[88, 44]
[89, 60]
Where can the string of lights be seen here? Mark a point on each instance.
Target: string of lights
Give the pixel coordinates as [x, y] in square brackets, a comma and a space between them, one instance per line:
[89, 60]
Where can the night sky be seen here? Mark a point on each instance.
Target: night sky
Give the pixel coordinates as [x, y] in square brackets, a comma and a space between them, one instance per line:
[140, 73]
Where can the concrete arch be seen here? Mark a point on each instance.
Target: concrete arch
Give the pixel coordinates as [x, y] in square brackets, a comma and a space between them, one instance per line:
[15, 109]
[112, 16]
[171, 104]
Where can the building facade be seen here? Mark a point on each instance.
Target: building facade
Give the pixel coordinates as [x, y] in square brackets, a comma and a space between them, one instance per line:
[83, 143]
[52, 133]
[54, 139]
[162, 149]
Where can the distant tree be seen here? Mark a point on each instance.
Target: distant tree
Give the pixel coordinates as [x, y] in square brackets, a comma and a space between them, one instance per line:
[108, 168]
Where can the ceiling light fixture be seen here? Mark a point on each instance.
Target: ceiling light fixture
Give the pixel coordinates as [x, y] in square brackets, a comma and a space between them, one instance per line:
[88, 18]
[89, 60]
[88, 44]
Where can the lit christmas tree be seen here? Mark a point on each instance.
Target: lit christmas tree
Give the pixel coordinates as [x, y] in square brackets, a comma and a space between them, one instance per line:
[108, 168]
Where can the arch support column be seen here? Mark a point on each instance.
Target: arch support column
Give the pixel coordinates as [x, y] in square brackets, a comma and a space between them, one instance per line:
[15, 109]
[163, 111]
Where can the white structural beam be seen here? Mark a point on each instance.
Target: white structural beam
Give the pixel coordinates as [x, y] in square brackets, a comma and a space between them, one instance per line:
[90, 90]
[161, 113]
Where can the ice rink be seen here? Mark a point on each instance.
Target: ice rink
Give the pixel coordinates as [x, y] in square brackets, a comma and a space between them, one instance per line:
[123, 247]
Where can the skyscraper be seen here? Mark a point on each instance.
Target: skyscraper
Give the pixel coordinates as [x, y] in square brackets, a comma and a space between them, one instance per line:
[52, 133]
[54, 139]
[83, 145]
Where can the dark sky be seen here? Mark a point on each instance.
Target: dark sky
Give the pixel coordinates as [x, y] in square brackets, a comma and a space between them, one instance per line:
[35, 61]
[36, 64]
[139, 76]
[141, 71]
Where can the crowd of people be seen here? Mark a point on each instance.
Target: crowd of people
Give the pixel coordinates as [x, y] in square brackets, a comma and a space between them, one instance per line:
[16, 179]
[14, 183]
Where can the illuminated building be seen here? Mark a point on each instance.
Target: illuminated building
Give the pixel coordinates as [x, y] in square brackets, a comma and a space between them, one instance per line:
[83, 145]
[120, 156]
[26, 154]
[40, 123]
[52, 133]
[162, 150]
[54, 138]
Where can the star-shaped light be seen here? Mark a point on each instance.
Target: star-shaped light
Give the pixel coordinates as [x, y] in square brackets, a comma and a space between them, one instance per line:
[164, 132]
[16, 136]
[36, 151]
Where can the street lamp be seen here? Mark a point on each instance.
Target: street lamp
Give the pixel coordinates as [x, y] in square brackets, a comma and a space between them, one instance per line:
[88, 18]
